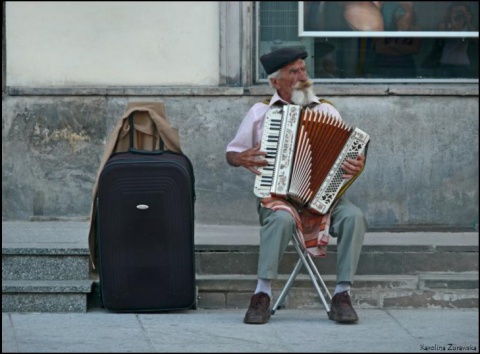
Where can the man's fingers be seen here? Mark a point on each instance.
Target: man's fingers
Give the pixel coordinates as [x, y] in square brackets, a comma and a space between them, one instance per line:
[254, 170]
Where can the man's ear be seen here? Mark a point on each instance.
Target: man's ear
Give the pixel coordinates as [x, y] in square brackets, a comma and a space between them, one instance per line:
[273, 82]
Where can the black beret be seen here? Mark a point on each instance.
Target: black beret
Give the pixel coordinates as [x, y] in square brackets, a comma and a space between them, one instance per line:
[279, 58]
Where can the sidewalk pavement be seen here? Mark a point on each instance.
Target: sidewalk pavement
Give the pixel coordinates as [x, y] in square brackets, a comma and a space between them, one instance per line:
[223, 331]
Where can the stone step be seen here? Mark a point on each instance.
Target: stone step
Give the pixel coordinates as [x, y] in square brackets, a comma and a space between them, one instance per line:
[45, 268]
[73, 263]
[431, 289]
[46, 295]
[447, 290]
[375, 259]
[424, 280]
[65, 264]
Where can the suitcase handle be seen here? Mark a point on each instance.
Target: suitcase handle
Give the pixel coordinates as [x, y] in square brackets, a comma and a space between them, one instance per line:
[132, 149]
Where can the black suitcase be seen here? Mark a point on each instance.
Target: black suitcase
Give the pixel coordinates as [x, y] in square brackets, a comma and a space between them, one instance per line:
[146, 232]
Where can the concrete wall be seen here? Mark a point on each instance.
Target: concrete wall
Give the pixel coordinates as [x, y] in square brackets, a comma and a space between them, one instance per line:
[422, 167]
[72, 67]
[68, 43]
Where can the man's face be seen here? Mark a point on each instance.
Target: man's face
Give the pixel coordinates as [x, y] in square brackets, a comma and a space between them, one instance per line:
[291, 76]
[293, 73]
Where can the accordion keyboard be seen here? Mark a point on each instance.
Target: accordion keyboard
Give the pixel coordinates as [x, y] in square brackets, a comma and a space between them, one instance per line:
[272, 130]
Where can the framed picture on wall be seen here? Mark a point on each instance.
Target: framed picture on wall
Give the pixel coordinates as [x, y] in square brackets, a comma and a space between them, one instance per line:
[388, 18]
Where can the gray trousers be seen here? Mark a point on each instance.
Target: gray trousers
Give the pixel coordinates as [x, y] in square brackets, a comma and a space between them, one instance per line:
[347, 223]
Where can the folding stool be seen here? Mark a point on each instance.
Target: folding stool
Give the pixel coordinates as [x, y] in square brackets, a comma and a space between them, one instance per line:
[304, 260]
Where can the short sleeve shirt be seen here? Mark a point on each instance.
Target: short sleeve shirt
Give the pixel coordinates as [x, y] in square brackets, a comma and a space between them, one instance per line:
[250, 131]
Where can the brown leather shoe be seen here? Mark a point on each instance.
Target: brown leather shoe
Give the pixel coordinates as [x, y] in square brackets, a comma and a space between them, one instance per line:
[259, 310]
[341, 309]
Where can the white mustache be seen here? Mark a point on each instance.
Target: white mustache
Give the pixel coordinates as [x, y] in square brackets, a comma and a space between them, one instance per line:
[301, 85]
[303, 93]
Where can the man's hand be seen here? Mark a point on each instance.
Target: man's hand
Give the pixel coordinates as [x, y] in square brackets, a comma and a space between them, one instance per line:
[251, 159]
[352, 166]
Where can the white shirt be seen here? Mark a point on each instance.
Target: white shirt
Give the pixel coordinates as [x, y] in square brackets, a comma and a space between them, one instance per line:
[250, 131]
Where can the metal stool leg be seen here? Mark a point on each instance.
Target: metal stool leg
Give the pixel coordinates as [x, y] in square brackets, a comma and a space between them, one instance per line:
[310, 260]
[304, 260]
[287, 286]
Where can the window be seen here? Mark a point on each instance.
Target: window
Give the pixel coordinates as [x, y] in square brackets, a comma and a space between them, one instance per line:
[404, 41]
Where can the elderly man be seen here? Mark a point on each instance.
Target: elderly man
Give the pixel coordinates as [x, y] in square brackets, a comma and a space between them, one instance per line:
[287, 75]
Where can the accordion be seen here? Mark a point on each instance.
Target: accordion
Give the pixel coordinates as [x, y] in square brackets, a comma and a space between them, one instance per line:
[305, 150]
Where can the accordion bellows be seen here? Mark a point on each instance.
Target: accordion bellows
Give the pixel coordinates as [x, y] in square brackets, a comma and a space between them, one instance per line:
[305, 151]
